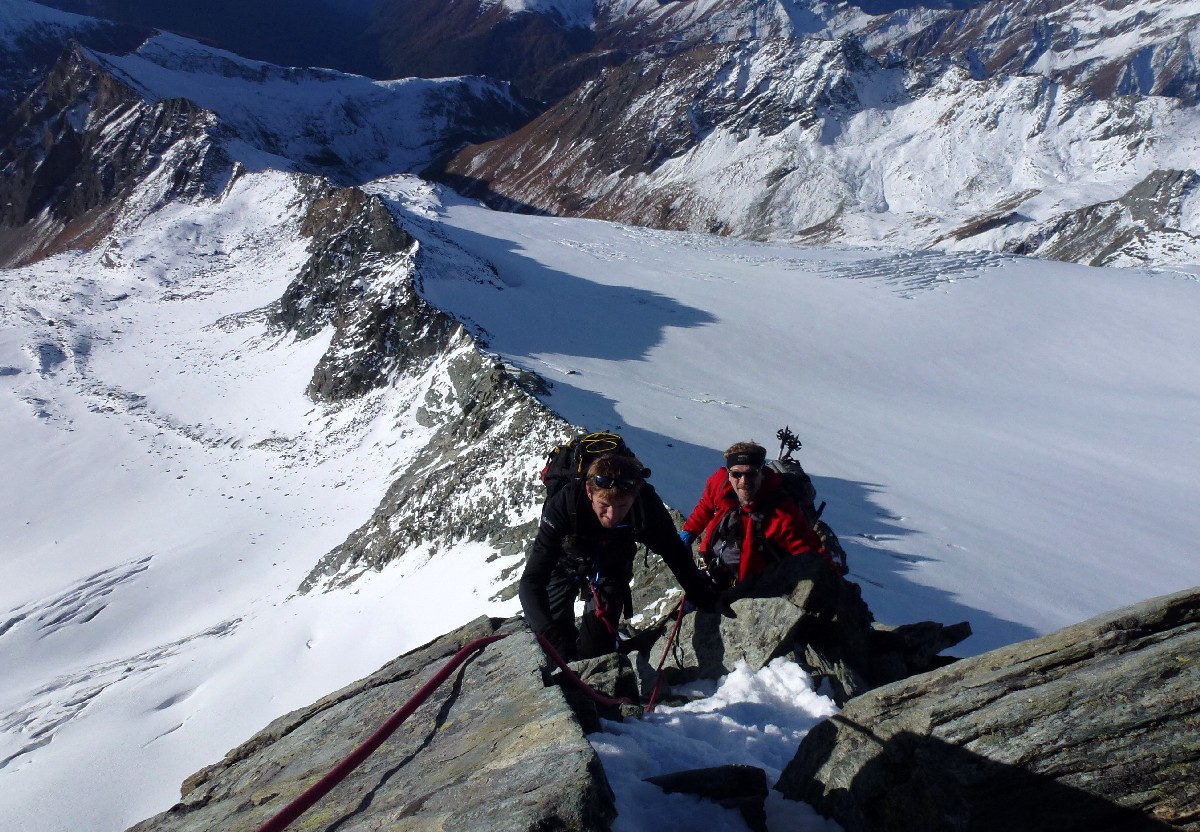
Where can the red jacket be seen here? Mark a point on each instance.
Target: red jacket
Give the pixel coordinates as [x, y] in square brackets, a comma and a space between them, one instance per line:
[783, 522]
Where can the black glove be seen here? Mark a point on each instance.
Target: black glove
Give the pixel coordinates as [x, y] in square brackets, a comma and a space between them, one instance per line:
[562, 637]
[703, 596]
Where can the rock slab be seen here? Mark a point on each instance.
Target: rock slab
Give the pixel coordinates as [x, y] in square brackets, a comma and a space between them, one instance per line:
[1095, 727]
[799, 607]
[494, 748]
[738, 787]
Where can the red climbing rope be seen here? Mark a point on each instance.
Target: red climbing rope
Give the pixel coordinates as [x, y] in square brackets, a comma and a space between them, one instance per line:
[601, 612]
[339, 773]
[342, 770]
[663, 660]
[574, 679]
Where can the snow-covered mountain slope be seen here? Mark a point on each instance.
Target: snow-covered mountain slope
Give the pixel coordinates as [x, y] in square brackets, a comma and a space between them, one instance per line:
[346, 127]
[819, 142]
[999, 440]
[33, 36]
[183, 115]
[1110, 48]
[168, 487]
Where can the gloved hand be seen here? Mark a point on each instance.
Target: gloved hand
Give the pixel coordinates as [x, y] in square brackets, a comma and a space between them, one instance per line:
[562, 638]
[701, 597]
[687, 537]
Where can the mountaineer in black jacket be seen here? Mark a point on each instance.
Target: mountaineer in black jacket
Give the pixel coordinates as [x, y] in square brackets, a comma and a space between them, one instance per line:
[586, 542]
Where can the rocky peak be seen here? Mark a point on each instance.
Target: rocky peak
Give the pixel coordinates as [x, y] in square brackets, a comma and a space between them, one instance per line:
[77, 147]
[479, 433]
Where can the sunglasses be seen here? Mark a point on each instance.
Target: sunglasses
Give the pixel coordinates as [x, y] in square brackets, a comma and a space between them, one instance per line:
[625, 484]
[737, 475]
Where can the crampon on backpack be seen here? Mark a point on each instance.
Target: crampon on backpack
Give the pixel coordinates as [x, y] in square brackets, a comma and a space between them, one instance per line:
[799, 486]
[572, 460]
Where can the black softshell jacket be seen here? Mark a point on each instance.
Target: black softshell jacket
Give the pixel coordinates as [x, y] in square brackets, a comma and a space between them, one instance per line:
[568, 514]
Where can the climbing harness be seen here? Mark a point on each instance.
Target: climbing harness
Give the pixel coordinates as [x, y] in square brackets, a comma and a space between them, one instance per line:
[601, 611]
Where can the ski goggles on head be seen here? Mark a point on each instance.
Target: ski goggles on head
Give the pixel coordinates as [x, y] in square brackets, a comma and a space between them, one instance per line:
[625, 484]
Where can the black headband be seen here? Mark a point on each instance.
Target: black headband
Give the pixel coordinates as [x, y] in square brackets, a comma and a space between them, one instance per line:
[752, 458]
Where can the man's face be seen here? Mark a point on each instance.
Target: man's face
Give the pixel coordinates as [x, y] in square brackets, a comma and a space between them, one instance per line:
[745, 480]
[610, 511]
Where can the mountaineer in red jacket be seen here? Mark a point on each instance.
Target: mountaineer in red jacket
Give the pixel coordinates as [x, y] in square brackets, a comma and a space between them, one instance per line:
[749, 520]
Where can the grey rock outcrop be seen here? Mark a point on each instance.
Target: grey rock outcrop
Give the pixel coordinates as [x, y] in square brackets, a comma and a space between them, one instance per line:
[358, 279]
[1095, 727]
[738, 787]
[800, 606]
[494, 748]
[488, 440]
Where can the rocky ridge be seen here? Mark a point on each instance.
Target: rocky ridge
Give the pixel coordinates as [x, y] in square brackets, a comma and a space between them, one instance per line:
[1021, 737]
[1093, 727]
[494, 748]
[78, 146]
[470, 473]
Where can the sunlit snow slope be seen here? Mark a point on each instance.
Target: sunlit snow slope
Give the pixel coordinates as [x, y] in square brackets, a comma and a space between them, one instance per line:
[1002, 440]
